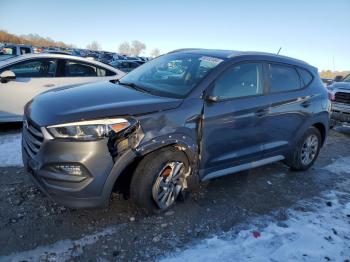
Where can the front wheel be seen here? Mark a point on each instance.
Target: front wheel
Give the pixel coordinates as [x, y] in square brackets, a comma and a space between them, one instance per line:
[306, 150]
[159, 179]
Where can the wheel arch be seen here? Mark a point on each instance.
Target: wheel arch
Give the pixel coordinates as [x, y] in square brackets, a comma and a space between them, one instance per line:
[123, 178]
[322, 129]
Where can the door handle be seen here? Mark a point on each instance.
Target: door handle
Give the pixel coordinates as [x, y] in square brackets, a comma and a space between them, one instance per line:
[306, 103]
[49, 85]
[262, 112]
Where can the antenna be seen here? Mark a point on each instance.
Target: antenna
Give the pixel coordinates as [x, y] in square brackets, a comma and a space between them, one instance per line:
[279, 50]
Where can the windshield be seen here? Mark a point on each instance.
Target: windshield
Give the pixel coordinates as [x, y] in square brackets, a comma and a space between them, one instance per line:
[172, 75]
[347, 78]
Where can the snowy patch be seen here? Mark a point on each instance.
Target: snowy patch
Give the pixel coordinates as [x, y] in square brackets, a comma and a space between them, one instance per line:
[60, 251]
[341, 165]
[317, 235]
[10, 150]
[321, 232]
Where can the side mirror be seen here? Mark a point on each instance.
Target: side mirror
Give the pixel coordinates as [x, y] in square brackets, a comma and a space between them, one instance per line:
[7, 76]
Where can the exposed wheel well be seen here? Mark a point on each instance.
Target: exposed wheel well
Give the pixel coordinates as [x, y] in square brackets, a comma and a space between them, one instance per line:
[322, 130]
[122, 184]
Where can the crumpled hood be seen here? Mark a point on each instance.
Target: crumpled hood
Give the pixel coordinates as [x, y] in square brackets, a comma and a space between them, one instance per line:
[93, 101]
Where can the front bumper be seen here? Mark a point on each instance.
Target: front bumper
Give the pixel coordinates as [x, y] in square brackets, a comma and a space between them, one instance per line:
[340, 113]
[99, 176]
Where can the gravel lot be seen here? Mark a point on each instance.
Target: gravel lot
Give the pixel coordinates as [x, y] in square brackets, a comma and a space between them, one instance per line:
[33, 228]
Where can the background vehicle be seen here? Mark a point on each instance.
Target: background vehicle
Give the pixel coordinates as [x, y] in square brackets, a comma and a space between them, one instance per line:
[327, 81]
[340, 101]
[26, 76]
[125, 66]
[152, 134]
[8, 51]
[105, 57]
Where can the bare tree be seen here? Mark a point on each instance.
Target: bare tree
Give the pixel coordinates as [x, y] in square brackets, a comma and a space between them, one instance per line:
[31, 39]
[95, 46]
[155, 52]
[137, 47]
[124, 48]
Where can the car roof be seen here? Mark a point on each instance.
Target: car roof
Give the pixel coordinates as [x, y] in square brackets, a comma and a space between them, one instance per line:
[230, 54]
[57, 56]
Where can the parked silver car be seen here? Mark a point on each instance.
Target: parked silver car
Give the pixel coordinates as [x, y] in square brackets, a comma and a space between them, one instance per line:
[23, 77]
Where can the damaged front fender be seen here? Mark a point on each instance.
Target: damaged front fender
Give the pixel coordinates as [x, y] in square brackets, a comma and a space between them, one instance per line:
[128, 138]
[180, 141]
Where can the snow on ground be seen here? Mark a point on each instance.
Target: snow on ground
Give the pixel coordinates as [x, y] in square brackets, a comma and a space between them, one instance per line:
[10, 150]
[341, 165]
[319, 230]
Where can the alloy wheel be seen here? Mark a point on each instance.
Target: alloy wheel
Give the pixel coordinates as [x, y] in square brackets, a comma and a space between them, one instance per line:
[168, 184]
[309, 149]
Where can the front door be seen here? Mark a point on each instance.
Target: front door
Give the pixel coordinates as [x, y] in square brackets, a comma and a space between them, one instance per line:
[233, 126]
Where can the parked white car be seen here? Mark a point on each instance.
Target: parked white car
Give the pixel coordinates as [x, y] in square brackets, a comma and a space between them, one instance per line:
[23, 77]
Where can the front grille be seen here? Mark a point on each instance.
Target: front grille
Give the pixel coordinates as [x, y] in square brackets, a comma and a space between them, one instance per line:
[342, 97]
[32, 138]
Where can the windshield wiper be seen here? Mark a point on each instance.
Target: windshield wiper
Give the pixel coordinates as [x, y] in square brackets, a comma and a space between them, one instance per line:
[134, 86]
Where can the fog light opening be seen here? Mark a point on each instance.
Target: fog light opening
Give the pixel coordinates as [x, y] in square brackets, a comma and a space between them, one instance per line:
[70, 169]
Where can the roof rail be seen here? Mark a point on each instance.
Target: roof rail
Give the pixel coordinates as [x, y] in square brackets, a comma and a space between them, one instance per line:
[183, 49]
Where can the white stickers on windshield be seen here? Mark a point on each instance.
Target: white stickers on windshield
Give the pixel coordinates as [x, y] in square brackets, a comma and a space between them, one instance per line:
[210, 59]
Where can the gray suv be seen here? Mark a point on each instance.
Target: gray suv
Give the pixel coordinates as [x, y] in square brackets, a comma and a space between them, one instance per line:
[187, 116]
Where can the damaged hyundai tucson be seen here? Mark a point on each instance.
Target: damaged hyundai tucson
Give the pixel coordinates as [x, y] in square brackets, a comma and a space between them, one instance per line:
[188, 116]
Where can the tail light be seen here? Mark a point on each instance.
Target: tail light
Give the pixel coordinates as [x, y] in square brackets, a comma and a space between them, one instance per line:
[331, 96]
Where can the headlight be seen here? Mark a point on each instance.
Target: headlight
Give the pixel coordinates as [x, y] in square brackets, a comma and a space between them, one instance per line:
[88, 130]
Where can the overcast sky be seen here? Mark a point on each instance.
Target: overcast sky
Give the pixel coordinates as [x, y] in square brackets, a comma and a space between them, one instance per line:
[315, 31]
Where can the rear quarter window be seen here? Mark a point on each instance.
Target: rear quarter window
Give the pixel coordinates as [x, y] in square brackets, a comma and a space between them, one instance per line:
[305, 75]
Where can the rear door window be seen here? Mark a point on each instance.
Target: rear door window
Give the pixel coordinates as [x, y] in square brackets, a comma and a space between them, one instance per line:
[79, 69]
[34, 68]
[283, 78]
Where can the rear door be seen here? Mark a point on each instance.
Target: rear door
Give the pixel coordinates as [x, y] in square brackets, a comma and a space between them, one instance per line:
[33, 77]
[233, 130]
[75, 72]
[290, 107]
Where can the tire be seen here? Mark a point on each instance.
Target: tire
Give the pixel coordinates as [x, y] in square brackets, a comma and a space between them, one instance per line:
[301, 150]
[152, 170]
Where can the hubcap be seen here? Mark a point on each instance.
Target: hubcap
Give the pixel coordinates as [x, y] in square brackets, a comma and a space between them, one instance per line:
[168, 184]
[309, 149]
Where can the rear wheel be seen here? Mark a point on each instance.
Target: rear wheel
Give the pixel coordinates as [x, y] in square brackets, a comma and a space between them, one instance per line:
[307, 149]
[159, 179]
